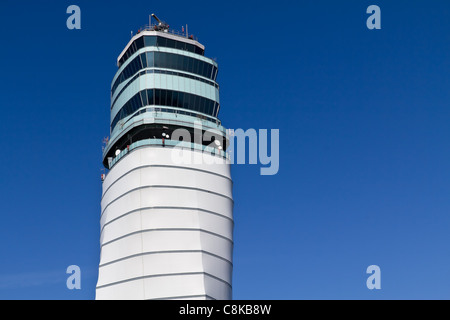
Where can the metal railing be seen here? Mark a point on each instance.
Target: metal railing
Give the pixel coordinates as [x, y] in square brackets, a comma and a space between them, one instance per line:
[162, 118]
[154, 27]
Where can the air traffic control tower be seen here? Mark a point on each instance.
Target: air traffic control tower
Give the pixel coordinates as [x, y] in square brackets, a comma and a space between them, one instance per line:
[166, 221]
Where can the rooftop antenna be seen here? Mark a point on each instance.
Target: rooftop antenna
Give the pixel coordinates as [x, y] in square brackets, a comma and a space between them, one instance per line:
[161, 26]
[105, 143]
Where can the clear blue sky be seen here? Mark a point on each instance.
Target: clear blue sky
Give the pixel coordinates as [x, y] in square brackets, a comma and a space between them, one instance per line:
[364, 153]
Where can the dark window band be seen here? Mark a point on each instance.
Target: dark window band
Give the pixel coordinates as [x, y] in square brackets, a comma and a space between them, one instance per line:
[154, 41]
[179, 74]
[162, 97]
[167, 61]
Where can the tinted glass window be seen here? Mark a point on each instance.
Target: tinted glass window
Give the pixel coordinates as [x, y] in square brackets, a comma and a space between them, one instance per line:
[198, 50]
[190, 65]
[161, 42]
[174, 98]
[201, 68]
[157, 96]
[180, 99]
[150, 57]
[157, 60]
[208, 70]
[216, 71]
[195, 67]
[190, 47]
[144, 97]
[171, 43]
[139, 43]
[172, 61]
[180, 45]
[163, 100]
[150, 94]
[143, 60]
[169, 98]
[167, 61]
[149, 41]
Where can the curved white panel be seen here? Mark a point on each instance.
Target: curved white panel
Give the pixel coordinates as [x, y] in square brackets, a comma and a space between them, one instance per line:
[166, 229]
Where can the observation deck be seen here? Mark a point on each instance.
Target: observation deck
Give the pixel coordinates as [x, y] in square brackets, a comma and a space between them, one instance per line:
[164, 83]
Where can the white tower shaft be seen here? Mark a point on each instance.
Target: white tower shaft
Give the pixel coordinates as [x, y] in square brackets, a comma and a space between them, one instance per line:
[166, 229]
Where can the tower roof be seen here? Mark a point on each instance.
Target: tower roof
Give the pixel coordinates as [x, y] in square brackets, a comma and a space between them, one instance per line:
[168, 34]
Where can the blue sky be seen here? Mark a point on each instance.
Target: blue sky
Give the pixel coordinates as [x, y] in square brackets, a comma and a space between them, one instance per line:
[364, 142]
